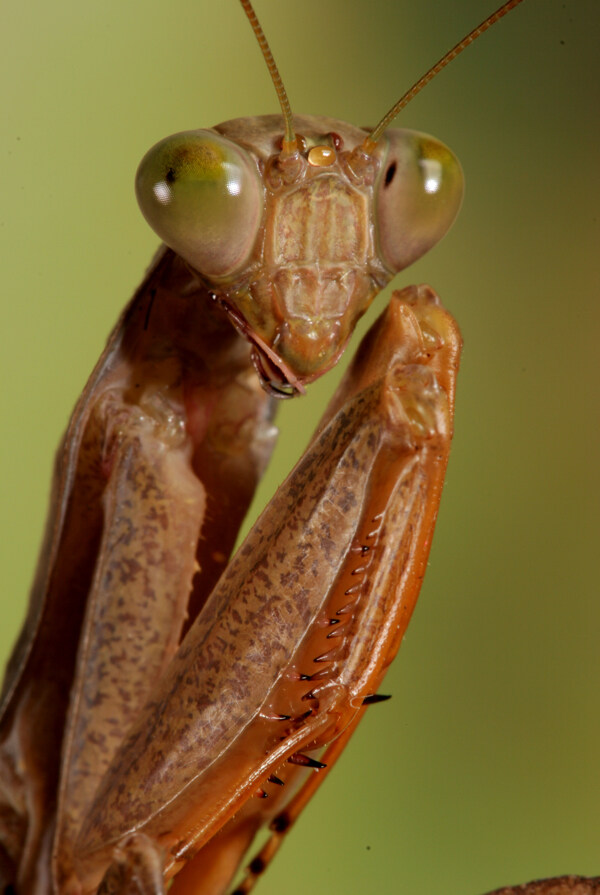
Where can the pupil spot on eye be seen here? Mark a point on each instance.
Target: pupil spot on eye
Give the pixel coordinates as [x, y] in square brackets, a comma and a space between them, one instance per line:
[389, 174]
[170, 175]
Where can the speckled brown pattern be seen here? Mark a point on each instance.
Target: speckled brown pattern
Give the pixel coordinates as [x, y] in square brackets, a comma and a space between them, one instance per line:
[308, 615]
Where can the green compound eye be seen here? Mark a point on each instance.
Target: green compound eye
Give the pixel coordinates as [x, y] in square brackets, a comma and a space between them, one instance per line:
[202, 195]
[417, 196]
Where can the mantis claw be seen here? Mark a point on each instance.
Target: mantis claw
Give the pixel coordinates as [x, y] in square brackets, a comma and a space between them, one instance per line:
[377, 456]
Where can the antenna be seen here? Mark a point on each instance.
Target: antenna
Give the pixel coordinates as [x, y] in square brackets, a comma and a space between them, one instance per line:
[290, 144]
[376, 133]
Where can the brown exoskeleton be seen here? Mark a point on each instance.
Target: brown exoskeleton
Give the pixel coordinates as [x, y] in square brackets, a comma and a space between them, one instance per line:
[159, 411]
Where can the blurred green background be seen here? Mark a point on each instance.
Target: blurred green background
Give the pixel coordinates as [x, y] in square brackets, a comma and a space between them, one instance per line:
[483, 769]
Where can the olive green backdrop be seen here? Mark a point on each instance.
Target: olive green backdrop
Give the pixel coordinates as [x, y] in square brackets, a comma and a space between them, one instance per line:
[483, 768]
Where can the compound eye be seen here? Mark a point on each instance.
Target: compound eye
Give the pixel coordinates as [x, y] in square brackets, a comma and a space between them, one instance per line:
[417, 196]
[203, 196]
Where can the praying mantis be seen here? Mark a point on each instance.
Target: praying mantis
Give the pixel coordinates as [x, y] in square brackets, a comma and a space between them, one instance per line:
[481, 600]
